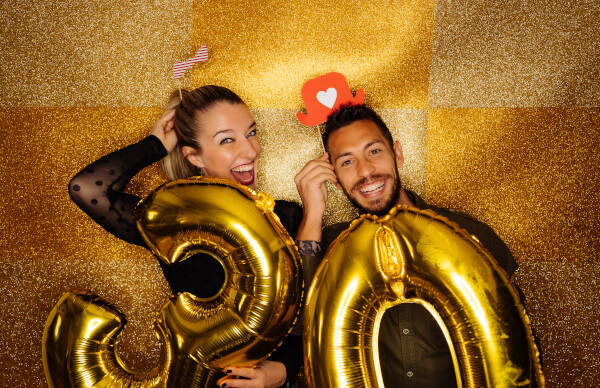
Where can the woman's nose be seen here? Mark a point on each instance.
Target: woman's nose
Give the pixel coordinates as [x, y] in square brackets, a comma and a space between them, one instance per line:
[249, 148]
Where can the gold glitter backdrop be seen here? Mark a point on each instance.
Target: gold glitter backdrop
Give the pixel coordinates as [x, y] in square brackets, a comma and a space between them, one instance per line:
[496, 104]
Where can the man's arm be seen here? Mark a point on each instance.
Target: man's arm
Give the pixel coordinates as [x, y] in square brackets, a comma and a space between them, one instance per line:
[311, 183]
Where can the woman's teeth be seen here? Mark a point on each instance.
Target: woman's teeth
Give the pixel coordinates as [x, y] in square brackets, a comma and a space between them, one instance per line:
[244, 174]
[243, 168]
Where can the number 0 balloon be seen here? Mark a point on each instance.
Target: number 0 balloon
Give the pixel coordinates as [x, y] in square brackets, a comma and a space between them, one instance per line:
[415, 256]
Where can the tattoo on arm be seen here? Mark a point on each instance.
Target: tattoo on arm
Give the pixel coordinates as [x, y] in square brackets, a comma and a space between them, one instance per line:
[309, 247]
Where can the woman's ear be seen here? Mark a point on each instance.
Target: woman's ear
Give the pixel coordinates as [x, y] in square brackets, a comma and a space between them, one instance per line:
[193, 156]
[398, 153]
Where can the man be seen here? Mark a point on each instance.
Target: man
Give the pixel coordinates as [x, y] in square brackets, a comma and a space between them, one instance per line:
[362, 159]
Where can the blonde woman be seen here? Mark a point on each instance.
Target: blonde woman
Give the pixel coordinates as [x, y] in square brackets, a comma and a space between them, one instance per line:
[210, 132]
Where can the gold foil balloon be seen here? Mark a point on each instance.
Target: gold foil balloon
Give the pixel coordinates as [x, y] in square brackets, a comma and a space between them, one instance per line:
[240, 325]
[415, 256]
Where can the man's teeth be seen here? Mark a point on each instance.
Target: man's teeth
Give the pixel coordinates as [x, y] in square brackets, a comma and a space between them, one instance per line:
[244, 168]
[372, 187]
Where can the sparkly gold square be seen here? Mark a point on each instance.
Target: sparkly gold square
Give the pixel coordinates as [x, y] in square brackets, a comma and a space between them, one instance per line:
[81, 53]
[266, 50]
[532, 174]
[49, 246]
[515, 54]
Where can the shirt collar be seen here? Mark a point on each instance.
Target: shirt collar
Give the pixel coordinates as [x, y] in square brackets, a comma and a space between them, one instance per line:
[416, 200]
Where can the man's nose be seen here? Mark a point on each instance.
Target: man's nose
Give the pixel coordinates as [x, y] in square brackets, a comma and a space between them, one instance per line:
[365, 168]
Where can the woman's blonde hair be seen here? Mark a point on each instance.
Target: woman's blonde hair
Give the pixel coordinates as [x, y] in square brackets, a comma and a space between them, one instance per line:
[187, 106]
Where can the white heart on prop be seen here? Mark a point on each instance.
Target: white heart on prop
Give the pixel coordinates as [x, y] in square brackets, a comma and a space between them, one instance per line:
[327, 98]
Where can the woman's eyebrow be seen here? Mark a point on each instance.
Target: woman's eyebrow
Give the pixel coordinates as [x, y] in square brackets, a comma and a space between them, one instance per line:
[222, 131]
[231, 130]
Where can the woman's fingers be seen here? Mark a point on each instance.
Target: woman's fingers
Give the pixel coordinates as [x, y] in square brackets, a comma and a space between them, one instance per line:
[268, 374]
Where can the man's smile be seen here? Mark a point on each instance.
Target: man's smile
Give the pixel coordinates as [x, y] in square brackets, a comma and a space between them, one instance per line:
[372, 189]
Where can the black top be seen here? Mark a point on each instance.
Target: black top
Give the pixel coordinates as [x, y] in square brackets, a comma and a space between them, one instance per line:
[98, 191]
[412, 348]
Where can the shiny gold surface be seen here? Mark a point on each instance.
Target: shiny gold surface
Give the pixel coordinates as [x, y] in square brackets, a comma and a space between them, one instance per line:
[240, 326]
[415, 256]
[266, 50]
[81, 53]
[531, 174]
[515, 54]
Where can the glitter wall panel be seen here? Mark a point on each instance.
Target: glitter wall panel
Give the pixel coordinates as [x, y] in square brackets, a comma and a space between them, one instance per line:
[49, 246]
[516, 53]
[532, 174]
[562, 303]
[266, 50]
[82, 53]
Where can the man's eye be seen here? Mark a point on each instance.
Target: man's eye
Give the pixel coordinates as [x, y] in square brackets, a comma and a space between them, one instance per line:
[251, 133]
[226, 140]
[345, 163]
[375, 151]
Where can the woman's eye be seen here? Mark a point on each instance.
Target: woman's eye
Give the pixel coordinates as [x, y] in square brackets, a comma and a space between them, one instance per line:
[251, 133]
[227, 140]
[375, 151]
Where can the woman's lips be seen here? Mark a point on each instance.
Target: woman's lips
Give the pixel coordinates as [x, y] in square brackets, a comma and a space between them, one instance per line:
[244, 174]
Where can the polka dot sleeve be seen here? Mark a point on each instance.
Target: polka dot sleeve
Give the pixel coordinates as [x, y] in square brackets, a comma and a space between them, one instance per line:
[98, 188]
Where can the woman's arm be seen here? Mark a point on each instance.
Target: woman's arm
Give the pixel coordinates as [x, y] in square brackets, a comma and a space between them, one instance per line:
[97, 189]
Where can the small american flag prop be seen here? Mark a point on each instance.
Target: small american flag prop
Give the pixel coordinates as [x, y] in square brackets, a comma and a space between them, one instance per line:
[180, 67]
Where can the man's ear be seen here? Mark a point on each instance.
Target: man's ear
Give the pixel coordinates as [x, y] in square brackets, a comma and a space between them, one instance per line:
[398, 153]
[193, 156]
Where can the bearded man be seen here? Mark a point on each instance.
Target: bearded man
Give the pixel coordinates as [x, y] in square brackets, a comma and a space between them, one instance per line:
[362, 159]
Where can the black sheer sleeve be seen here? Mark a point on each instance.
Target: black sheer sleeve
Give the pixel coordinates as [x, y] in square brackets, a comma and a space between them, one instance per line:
[97, 189]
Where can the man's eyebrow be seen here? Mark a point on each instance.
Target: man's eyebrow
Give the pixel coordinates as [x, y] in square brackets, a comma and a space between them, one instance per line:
[231, 130]
[350, 153]
[373, 142]
[342, 155]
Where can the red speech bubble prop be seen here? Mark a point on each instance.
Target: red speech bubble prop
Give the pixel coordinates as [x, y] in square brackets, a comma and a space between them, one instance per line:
[325, 94]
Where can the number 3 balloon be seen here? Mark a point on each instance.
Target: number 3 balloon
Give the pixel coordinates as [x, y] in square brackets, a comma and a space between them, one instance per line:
[415, 256]
[240, 325]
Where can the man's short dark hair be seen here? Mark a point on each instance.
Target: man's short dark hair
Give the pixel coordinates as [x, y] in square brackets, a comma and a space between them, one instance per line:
[347, 114]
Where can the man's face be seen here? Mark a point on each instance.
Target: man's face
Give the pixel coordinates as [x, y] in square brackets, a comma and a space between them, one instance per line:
[365, 165]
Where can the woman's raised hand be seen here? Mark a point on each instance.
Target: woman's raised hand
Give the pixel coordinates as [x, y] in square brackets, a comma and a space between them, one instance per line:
[163, 129]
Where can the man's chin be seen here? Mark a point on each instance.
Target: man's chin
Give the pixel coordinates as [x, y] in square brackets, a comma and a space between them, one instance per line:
[378, 208]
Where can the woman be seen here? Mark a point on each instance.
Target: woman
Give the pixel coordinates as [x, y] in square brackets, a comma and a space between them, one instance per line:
[210, 132]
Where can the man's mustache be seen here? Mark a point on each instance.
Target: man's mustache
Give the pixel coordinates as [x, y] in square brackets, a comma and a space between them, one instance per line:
[369, 179]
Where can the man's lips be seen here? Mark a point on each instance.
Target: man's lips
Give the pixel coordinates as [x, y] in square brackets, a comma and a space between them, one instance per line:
[371, 187]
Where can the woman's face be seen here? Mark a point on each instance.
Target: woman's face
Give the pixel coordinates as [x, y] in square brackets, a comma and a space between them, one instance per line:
[229, 148]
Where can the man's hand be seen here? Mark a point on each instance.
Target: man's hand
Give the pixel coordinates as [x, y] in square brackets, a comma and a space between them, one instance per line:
[311, 185]
[268, 374]
[163, 129]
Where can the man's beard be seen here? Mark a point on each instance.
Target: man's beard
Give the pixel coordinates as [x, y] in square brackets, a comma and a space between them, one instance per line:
[390, 203]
